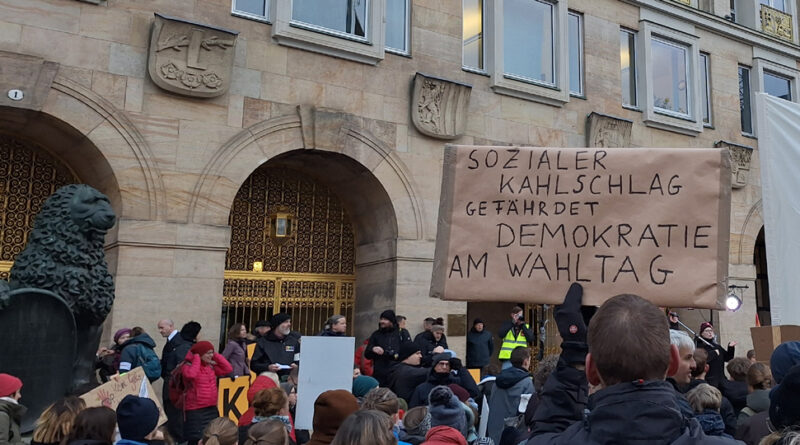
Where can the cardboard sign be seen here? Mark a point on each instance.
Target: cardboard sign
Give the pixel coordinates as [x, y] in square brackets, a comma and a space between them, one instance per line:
[520, 224]
[232, 399]
[326, 363]
[134, 383]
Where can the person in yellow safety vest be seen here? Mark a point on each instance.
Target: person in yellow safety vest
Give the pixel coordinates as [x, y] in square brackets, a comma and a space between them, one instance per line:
[515, 333]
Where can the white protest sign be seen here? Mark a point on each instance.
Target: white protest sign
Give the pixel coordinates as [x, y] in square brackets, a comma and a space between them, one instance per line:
[326, 363]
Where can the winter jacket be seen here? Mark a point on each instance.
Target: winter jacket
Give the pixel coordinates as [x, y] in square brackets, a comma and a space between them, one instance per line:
[236, 355]
[754, 429]
[328, 333]
[633, 413]
[260, 383]
[564, 397]
[725, 408]
[172, 354]
[271, 349]
[444, 435]
[403, 379]
[363, 363]
[757, 401]
[511, 383]
[711, 423]
[460, 377]
[426, 343]
[479, 348]
[717, 356]
[508, 325]
[11, 414]
[389, 340]
[202, 380]
[133, 352]
[736, 392]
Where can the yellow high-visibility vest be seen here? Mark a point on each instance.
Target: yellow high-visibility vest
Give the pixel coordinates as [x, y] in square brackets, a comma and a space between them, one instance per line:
[510, 343]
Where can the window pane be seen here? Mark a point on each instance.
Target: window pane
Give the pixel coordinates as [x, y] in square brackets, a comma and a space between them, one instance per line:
[396, 24]
[744, 100]
[347, 16]
[528, 40]
[627, 61]
[777, 86]
[255, 7]
[472, 33]
[670, 86]
[575, 54]
[704, 88]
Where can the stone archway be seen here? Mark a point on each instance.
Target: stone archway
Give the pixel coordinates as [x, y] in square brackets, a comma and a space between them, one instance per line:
[355, 162]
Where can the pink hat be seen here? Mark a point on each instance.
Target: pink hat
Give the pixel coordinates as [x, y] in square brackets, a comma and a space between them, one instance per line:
[9, 385]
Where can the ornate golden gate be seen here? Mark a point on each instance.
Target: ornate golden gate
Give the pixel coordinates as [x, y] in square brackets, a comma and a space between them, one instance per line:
[28, 176]
[292, 250]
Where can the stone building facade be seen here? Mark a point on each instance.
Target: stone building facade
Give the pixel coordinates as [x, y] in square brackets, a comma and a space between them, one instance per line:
[175, 108]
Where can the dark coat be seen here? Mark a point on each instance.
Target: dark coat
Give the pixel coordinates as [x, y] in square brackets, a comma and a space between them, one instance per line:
[426, 343]
[757, 401]
[717, 356]
[479, 348]
[725, 409]
[755, 428]
[329, 333]
[403, 379]
[633, 413]
[460, 377]
[736, 392]
[10, 418]
[711, 423]
[389, 340]
[563, 399]
[236, 354]
[271, 349]
[172, 354]
[511, 383]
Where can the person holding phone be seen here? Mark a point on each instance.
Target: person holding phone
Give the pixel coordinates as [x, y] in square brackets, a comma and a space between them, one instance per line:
[515, 333]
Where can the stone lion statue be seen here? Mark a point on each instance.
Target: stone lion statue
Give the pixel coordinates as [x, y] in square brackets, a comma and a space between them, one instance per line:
[65, 255]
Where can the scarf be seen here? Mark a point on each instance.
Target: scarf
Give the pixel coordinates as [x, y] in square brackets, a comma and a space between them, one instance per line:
[285, 419]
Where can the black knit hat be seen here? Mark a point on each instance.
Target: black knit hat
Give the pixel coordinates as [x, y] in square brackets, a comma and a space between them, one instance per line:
[476, 321]
[389, 315]
[784, 407]
[279, 318]
[407, 349]
[190, 330]
[263, 324]
[136, 417]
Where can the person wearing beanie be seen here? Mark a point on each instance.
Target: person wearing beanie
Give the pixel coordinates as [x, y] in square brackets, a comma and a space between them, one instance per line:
[431, 342]
[785, 357]
[415, 426]
[330, 410]
[480, 346]
[446, 410]
[404, 378]
[11, 411]
[362, 385]
[717, 355]
[511, 384]
[279, 350]
[383, 346]
[445, 370]
[107, 359]
[137, 417]
[205, 365]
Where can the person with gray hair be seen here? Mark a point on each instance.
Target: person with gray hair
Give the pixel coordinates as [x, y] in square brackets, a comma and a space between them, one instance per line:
[336, 326]
[686, 364]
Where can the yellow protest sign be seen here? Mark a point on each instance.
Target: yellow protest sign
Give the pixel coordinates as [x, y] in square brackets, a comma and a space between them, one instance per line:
[251, 349]
[232, 400]
[112, 392]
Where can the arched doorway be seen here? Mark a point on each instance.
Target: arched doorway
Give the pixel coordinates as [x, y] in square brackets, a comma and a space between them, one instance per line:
[762, 280]
[29, 174]
[309, 272]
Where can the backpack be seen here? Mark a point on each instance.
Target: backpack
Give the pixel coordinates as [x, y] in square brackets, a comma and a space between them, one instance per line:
[178, 386]
[149, 362]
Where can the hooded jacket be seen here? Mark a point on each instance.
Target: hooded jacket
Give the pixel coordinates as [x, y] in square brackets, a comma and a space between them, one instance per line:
[480, 346]
[510, 385]
[757, 401]
[134, 350]
[711, 423]
[403, 379]
[633, 413]
[444, 435]
[725, 408]
[202, 380]
[10, 417]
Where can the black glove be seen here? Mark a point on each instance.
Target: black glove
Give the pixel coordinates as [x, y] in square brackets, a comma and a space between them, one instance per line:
[570, 321]
[455, 364]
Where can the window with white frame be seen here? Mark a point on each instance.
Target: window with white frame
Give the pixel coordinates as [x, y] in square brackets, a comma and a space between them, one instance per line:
[472, 35]
[780, 5]
[575, 23]
[777, 85]
[346, 18]
[251, 9]
[397, 26]
[627, 62]
[670, 79]
[744, 100]
[705, 87]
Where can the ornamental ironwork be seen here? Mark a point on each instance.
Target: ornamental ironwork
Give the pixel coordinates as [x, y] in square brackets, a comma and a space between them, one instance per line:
[776, 23]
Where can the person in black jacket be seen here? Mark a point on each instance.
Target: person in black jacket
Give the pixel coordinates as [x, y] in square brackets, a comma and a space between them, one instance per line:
[401, 325]
[446, 370]
[279, 350]
[407, 375]
[698, 377]
[717, 355]
[430, 343]
[383, 347]
[479, 346]
[174, 351]
[735, 389]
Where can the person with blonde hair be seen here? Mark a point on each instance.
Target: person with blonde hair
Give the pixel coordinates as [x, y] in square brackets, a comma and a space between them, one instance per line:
[268, 432]
[365, 427]
[55, 423]
[705, 401]
[220, 431]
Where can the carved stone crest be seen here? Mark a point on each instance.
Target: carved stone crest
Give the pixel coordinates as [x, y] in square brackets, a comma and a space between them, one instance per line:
[189, 58]
[607, 131]
[740, 162]
[439, 106]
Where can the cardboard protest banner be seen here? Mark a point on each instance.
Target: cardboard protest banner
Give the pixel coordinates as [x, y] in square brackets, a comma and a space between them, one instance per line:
[520, 224]
[134, 383]
[232, 398]
[326, 363]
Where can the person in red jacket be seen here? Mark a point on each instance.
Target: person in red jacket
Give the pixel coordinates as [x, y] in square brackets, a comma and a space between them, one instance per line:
[201, 395]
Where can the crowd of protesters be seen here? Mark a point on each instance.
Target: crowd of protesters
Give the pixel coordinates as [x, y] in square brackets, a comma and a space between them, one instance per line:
[623, 377]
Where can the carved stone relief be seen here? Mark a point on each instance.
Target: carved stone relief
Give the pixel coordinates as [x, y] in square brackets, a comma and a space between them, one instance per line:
[740, 162]
[190, 58]
[439, 106]
[607, 131]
